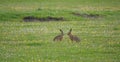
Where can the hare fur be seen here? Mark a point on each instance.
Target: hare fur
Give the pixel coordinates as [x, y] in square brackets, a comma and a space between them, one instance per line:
[59, 37]
[73, 37]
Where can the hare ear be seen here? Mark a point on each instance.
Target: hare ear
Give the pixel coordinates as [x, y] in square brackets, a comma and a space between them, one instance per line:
[60, 30]
[70, 29]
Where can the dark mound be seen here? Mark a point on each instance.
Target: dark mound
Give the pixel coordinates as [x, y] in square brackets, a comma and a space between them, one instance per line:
[87, 15]
[49, 18]
[30, 19]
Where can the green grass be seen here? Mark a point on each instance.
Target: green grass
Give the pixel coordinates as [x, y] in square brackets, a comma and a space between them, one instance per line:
[33, 41]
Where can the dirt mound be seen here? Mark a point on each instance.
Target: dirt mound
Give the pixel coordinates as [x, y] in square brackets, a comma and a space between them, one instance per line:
[87, 15]
[49, 18]
[30, 19]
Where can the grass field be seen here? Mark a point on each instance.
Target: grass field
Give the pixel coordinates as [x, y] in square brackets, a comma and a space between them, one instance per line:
[33, 41]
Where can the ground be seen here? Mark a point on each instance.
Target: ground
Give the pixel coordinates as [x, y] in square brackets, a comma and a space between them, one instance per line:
[95, 22]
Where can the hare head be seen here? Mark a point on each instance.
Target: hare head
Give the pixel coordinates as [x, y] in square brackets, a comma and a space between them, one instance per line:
[61, 32]
[59, 37]
[73, 37]
[69, 33]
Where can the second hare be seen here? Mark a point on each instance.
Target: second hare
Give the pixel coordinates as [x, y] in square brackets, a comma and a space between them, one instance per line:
[73, 37]
[59, 37]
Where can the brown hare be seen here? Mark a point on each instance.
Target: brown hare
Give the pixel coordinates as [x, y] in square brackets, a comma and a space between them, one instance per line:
[73, 37]
[59, 37]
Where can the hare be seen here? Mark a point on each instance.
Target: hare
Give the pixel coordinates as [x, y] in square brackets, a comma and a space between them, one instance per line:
[59, 37]
[73, 37]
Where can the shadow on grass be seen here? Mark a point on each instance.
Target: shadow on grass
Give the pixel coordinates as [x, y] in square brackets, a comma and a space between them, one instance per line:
[34, 44]
[31, 44]
[49, 18]
[85, 15]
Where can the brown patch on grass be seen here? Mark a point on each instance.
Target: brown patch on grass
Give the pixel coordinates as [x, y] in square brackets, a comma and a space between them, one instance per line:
[49, 18]
[30, 19]
[87, 15]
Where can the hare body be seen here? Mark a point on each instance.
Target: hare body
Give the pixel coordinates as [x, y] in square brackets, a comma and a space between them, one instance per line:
[59, 37]
[73, 37]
